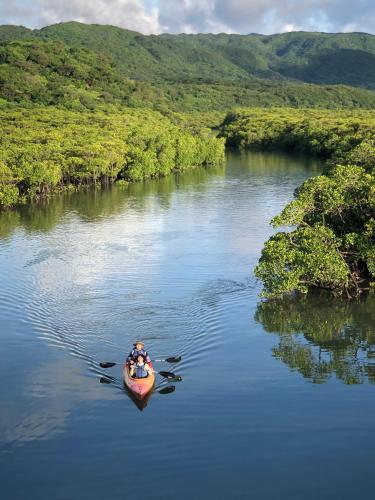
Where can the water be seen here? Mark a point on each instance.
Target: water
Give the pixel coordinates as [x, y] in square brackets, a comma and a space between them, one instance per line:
[277, 399]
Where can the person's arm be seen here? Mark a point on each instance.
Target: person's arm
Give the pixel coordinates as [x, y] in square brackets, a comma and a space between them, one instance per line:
[147, 368]
[148, 360]
[131, 371]
[129, 359]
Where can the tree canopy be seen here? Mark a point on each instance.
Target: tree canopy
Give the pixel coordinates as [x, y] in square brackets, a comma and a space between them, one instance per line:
[324, 58]
[45, 149]
[85, 66]
[331, 243]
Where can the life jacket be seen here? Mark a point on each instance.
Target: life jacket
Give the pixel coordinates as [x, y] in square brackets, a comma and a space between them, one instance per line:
[135, 353]
[140, 371]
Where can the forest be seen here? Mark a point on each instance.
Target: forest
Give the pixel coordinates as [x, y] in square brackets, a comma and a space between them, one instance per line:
[324, 58]
[46, 149]
[85, 105]
[331, 243]
[85, 67]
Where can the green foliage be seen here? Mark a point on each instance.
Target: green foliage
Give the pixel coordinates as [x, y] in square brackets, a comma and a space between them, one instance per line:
[52, 73]
[9, 193]
[331, 244]
[310, 57]
[333, 215]
[320, 132]
[44, 149]
[80, 66]
[306, 257]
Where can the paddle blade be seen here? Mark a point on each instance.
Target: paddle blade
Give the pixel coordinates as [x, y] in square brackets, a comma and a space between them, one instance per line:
[169, 375]
[106, 364]
[173, 359]
[167, 390]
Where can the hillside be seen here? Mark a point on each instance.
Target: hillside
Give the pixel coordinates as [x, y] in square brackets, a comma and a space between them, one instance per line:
[325, 58]
[52, 73]
[85, 66]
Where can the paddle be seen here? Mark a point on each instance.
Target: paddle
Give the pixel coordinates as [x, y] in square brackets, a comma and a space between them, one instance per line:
[107, 364]
[167, 390]
[105, 380]
[172, 359]
[168, 375]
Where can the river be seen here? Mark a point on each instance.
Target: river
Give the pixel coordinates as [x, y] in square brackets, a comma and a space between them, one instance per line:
[276, 399]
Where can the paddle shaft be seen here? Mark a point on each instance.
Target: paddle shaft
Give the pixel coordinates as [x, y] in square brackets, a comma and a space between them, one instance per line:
[173, 359]
[162, 373]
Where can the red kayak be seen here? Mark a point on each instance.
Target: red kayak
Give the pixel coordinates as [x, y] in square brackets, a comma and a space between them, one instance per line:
[140, 387]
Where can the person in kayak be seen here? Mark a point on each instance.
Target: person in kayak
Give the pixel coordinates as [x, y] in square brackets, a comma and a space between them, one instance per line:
[138, 350]
[140, 368]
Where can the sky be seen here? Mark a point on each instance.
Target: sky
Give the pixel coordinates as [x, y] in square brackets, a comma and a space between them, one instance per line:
[198, 16]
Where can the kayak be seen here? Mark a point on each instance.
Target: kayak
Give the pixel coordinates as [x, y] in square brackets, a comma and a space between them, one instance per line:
[140, 387]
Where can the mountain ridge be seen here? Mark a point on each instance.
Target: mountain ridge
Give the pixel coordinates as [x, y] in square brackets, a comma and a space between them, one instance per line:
[221, 57]
[74, 64]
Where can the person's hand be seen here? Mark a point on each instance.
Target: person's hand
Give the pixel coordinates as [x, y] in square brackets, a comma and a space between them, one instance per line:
[131, 362]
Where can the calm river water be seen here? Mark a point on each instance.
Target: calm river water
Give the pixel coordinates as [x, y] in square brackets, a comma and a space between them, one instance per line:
[277, 400]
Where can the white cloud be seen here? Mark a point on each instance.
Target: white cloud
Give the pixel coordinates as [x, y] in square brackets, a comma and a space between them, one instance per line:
[16, 12]
[192, 16]
[272, 16]
[131, 14]
[287, 28]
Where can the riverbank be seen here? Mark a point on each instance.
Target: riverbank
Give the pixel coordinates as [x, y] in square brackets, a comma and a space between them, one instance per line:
[44, 150]
[332, 241]
[326, 133]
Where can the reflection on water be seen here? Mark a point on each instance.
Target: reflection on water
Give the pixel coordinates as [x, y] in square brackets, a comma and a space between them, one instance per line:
[170, 261]
[321, 337]
[139, 403]
[96, 204]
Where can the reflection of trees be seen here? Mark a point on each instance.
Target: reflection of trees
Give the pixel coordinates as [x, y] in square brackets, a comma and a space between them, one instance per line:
[92, 205]
[320, 336]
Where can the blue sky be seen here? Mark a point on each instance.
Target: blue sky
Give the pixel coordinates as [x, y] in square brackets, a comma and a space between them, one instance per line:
[192, 16]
